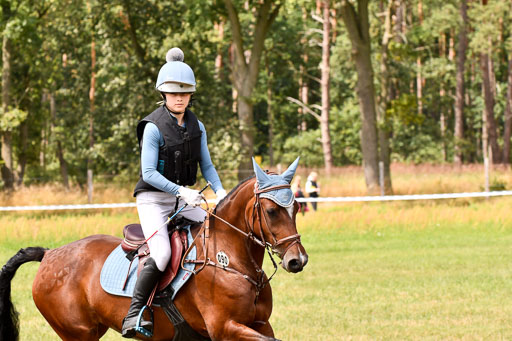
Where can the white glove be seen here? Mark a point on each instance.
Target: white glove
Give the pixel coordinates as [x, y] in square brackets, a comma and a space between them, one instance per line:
[221, 193]
[191, 196]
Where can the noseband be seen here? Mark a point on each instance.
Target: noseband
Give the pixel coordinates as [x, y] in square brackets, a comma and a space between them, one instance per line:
[271, 248]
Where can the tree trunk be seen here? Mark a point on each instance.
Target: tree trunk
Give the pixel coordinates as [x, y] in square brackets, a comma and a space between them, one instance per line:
[131, 32]
[246, 125]
[91, 124]
[442, 93]
[334, 24]
[234, 92]
[386, 96]
[508, 116]
[419, 86]
[325, 85]
[270, 117]
[442, 123]
[63, 166]
[492, 75]
[358, 28]
[303, 83]
[451, 46]
[245, 72]
[44, 145]
[468, 103]
[399, 23]
[489, 108]
[303, 96]
[366, 94]
[485, 144]
[6, 136]
[459, 90]
[419, 77]
[22, 155]
[219, 27]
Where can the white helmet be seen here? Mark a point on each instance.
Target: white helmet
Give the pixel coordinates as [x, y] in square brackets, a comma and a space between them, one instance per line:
[175, 75]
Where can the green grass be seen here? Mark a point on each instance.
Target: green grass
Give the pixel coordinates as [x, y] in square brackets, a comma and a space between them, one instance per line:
[396, 271]
[396, 284]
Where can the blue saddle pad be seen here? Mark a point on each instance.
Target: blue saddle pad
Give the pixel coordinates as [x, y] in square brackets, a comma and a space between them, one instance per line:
[115, 268]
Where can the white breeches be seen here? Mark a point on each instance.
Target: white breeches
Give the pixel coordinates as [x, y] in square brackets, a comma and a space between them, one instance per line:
[154, 208]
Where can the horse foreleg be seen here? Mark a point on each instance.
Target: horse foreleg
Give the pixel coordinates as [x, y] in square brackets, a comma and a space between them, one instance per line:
[263, 327]
[263, 311]
[233, 330]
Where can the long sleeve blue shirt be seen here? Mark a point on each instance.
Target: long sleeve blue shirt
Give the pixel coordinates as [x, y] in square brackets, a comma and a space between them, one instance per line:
[152, 140]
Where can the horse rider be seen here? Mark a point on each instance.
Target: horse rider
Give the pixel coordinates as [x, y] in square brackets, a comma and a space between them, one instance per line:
[173, 143]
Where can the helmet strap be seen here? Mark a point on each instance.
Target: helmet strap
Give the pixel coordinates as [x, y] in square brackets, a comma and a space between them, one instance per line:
[172, 112]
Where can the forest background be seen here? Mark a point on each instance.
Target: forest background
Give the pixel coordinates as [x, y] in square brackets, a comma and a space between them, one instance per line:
[336, 82]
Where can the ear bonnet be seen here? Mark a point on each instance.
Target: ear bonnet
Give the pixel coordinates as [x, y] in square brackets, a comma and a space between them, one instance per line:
[284, 196]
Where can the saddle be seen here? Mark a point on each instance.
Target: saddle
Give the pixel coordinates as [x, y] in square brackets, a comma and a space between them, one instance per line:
[134, 241]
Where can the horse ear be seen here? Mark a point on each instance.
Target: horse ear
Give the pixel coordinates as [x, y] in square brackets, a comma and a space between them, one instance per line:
[261, 176]
[290, 172]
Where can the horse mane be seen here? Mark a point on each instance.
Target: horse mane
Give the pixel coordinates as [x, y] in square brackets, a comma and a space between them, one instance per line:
[220, 204]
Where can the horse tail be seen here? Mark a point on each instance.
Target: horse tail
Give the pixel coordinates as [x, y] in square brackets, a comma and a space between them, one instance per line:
[9, 327]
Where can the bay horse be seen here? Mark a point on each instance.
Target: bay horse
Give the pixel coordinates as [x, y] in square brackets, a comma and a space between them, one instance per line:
[219, 302]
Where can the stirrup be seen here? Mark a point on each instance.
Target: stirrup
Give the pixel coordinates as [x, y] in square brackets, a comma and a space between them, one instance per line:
[138, 328]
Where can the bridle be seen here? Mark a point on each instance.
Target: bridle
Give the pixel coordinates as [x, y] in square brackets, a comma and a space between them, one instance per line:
[272, 248]
[293, 239]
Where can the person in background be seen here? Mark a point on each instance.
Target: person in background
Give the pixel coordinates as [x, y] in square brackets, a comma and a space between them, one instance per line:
[297, 191]
[313, 188]
[173, 146]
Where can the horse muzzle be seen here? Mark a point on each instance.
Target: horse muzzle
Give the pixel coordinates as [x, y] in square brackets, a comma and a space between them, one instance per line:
[295, 259]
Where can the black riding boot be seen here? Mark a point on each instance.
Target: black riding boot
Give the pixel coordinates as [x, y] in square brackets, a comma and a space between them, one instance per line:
[145, 284]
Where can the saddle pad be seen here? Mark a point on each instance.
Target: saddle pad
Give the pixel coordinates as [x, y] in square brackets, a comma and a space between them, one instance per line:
[115, 268]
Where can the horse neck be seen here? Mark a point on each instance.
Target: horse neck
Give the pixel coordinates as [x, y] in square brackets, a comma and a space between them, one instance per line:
[234, 211]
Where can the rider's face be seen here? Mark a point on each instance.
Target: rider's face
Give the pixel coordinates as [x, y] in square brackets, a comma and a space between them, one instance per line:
[177, 101]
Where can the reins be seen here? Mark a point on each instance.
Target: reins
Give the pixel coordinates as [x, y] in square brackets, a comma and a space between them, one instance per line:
[271, 248]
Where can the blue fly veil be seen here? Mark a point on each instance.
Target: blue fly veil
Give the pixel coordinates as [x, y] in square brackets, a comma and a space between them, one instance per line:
[283, 197]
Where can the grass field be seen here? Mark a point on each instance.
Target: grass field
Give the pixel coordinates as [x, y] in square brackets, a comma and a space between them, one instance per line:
[379, 271]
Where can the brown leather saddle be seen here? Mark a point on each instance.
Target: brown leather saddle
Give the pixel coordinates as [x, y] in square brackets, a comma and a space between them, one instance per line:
[134, 240]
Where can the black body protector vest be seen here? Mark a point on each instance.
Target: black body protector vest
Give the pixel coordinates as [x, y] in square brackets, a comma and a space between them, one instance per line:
[179, 156]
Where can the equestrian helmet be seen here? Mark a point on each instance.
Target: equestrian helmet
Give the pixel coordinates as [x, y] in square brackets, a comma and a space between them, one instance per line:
[175, 75]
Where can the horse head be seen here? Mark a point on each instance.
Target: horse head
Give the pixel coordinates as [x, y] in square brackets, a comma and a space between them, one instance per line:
[276, 208]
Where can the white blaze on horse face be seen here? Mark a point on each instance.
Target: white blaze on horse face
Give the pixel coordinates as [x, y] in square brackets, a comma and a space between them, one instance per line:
[303, 258]
[290, 211]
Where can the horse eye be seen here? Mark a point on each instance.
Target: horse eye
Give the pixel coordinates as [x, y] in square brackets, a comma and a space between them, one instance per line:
[272, 212]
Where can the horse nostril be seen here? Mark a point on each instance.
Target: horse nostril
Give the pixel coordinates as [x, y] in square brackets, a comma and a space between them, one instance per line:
[294, 265]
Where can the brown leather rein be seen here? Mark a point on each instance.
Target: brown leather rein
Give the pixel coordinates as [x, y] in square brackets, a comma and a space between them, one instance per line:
[271, 248]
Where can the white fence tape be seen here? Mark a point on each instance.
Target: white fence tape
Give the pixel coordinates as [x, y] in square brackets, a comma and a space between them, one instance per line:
[409, 197]
[65, 207]
[321, 199]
